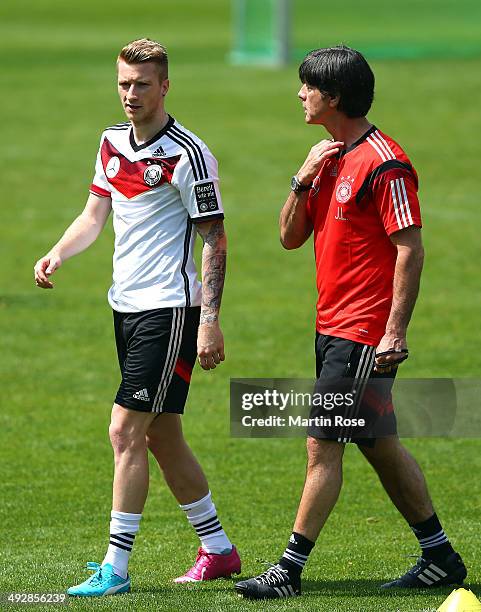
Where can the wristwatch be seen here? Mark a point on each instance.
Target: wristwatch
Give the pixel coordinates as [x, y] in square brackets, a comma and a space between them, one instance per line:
[297, 187]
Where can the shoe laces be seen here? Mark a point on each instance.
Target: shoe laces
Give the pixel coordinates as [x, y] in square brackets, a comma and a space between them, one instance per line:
[420, 562]
[273, 575]
[202, 560]
[96, 578]
[203, 554]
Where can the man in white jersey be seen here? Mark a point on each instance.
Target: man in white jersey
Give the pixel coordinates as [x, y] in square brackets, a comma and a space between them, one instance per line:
[161, 182]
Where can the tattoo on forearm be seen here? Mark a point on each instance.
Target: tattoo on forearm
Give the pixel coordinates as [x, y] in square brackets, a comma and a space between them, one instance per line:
[214, 257]
[213, 234]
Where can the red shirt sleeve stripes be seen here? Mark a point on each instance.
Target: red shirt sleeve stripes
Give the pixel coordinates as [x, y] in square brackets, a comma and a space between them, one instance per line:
[395, 197]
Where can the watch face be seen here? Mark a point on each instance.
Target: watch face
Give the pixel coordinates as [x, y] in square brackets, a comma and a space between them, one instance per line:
[294, 184]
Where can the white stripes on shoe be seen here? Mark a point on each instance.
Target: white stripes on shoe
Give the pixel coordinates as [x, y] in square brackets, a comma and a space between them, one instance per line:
[284, 591]
[176, 330]
[431, 574]
[363, 372]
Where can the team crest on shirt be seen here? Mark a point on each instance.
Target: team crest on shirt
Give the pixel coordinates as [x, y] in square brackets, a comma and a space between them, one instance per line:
[152, 175]
[112, 167]
[344, 189]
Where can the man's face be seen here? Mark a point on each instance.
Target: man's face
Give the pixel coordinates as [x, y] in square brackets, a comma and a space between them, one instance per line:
[317, 106]
[141, 91]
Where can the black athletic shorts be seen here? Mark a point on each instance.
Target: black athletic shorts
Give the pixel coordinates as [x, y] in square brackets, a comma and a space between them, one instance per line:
[357, 402]
[157, 350]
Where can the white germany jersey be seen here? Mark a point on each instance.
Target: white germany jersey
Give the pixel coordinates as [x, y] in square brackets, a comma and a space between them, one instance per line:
[158, 190]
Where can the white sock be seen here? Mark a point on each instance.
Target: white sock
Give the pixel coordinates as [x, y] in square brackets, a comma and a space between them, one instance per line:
[123, 527]
[202, 516]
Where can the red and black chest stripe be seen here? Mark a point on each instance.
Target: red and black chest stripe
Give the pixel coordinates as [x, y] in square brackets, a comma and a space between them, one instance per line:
[134, 178]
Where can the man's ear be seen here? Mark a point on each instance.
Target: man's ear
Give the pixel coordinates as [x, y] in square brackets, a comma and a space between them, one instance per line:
[333, 102]
[165, 86]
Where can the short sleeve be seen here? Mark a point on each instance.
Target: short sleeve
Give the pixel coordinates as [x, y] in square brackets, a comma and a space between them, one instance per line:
[395, 196]
[197, 179]
[100, 185]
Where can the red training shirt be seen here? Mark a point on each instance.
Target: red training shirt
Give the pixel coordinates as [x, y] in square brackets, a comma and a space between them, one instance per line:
[357, 201]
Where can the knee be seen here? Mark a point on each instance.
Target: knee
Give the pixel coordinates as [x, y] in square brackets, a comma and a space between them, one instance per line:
[124, 438]
[312, 447]
[323, 453]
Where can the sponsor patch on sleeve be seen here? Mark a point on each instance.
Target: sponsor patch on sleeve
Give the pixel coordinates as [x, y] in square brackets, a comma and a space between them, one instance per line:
[206, 198]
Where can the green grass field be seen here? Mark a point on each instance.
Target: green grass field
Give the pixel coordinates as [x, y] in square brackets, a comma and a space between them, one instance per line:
[58, 365]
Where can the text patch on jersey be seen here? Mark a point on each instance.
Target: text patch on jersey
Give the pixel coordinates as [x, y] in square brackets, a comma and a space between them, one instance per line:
[206, 197]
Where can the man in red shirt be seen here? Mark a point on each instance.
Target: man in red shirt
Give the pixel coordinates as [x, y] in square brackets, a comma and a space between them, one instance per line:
[357, 193]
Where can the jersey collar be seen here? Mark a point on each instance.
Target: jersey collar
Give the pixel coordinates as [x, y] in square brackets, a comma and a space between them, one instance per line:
[136, 147]
[372, 129]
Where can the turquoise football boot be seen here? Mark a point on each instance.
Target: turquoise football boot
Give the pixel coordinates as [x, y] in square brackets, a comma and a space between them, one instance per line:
[102, 582]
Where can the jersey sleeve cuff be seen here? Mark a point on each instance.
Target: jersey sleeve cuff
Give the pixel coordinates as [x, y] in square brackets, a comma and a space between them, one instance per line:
[98, 191]
[393, 228]
[205, 218]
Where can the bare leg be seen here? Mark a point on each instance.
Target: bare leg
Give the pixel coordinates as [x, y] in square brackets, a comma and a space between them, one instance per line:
[131, 477]
[401, 477]
[180, 468]
[321, 488]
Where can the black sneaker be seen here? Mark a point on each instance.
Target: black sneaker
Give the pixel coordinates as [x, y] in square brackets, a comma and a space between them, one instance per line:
[426, 574]
[272, 584]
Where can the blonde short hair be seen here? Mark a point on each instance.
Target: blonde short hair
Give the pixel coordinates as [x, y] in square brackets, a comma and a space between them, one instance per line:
[145, 50]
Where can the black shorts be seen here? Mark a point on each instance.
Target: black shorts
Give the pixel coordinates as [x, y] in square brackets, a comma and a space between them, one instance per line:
[157, 350]
[363, 404]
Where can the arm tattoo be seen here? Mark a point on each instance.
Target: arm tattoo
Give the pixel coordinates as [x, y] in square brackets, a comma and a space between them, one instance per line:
[214, 256]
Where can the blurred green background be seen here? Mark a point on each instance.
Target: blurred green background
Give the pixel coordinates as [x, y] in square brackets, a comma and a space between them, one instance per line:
[58, 365]
[380, 29]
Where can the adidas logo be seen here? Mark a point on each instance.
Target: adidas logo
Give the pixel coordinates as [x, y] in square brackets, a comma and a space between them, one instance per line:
[292, 539]
[159, 152]
[142, 395]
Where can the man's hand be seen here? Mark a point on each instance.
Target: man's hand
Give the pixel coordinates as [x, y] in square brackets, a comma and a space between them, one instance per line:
[210, 345]
[44, 268]
[391, 351]
[77, 237]
[319, 152]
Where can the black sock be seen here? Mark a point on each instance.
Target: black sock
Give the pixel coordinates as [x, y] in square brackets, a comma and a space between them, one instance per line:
[432, 539]
[296, 553]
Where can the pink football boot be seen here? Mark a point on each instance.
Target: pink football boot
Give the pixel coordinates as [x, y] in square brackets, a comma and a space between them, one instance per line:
[209, 566]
